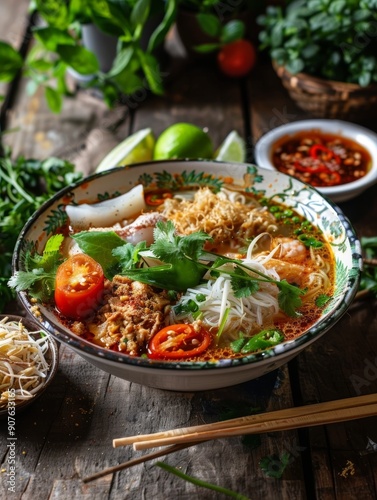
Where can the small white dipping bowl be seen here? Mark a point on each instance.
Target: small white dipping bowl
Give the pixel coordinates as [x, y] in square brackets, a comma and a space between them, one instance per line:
[357, 133]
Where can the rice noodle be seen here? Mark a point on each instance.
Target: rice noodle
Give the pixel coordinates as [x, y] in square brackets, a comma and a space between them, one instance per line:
[23, 366]
[247, 313]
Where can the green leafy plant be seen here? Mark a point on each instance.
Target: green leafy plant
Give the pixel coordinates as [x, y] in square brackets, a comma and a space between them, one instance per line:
[24, 185]
[58, 47]
[331, 39]
[219, 21]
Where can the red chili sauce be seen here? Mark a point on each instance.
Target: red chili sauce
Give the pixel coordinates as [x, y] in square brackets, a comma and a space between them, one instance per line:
[321, 159]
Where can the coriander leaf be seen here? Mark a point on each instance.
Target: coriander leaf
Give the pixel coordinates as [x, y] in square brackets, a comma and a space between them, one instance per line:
[243, 285]
[274, 466]
[170, 247]
[40, 271]
[99, 245]
[289, 298]
[237, 344]
[51, 253]
[128, 254]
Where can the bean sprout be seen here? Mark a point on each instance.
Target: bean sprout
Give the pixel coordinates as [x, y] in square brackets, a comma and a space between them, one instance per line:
[23, 365]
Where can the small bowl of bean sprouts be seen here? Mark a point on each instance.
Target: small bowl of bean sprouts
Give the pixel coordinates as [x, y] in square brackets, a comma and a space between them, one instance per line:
[28, 362]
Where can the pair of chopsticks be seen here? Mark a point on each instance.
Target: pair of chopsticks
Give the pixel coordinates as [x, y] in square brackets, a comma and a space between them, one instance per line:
[291, 418]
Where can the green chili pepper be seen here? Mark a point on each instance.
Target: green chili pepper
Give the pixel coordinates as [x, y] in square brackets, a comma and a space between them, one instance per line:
[263, 340]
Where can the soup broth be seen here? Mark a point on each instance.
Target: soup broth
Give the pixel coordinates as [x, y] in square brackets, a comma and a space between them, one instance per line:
[265, 273]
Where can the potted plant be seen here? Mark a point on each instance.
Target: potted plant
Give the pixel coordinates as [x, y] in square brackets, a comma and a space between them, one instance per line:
[134, 28]
[199, 23]
[325, 52]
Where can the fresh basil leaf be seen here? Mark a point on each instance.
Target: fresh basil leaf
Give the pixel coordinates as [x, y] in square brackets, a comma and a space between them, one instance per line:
[207, 47]
[151, 70]
[11, 62]
[140, 12]
[54, 99]
[210, 24]
[99, 245]
[121, 61]
[80, 59]
[51, 37]
[232, 31]
[54, 12]
[160, 32]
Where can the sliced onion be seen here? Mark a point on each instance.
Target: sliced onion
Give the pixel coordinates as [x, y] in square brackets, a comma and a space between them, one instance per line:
[105, 213]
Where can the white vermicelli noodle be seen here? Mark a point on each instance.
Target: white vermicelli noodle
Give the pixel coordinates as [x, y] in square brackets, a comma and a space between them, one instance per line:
[247, 314]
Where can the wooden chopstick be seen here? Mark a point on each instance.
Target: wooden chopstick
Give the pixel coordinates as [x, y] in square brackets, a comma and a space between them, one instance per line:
[325, 417]
[136, 461]
[303, 416]
[251, 420]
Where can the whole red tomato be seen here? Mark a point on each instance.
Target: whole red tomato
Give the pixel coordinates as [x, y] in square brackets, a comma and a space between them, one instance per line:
[236, 59]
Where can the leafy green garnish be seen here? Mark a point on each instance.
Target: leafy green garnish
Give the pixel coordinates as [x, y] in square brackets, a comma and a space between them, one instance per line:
[107, 248]
[242, 285]
[40, 270]
[24, 185]
[322, 300]
[369, 274]
[179, 253]
[200, 482]
[274, 466]
[183, 264]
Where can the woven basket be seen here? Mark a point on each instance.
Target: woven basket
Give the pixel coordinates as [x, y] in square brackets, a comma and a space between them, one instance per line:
[330, 99]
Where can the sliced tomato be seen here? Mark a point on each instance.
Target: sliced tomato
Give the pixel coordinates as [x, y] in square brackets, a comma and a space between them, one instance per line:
[79, 286]
[179, 342]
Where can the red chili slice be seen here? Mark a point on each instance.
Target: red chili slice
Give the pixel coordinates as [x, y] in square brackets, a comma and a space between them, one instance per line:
[321, 152]
[157, 198]
[311, 169]
[178, 342]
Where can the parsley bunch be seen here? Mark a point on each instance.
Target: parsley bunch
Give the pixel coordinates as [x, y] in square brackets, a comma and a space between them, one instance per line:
[24, 185]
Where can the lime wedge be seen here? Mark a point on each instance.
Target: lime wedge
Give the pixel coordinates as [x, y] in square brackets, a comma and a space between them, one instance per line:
[136, 148]
[232, 149]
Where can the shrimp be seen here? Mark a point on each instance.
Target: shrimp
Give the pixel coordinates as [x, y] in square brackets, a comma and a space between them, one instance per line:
[290, 249]
[141, 229]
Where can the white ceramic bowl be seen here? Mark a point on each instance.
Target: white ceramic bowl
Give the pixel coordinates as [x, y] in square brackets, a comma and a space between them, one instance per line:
[197, 376]
[362, 135]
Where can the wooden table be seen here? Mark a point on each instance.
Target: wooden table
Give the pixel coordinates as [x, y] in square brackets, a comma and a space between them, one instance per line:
[67, 434]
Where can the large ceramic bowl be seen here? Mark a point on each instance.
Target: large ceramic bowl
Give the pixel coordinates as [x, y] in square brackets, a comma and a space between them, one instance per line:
[193, 376]
[348, 130]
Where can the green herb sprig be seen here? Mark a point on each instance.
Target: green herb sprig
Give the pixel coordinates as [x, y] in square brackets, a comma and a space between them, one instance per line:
[24, 185]
[184, 265]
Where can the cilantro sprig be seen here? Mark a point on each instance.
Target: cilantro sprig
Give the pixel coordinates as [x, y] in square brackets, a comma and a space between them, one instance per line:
[40, 270]
[184, 266]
